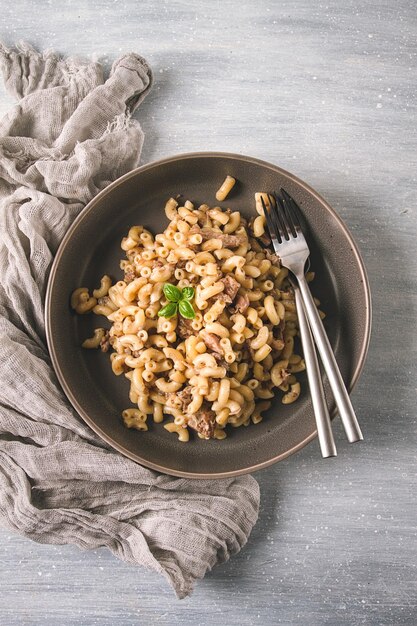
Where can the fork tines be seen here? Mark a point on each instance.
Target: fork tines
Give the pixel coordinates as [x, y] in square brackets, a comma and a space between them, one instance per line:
[281, 215]
[274, 227]
[290, 209]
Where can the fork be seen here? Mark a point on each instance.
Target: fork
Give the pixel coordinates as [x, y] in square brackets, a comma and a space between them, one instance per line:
[291, 246]
[318, 399]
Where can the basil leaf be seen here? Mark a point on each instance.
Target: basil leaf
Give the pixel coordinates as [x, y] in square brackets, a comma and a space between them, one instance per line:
[186, 309]
[172, 293]
[188, 293]
[168, 310]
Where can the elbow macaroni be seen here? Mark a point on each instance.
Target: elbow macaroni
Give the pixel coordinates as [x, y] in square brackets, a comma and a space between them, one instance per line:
[226, 187]
[222, 367]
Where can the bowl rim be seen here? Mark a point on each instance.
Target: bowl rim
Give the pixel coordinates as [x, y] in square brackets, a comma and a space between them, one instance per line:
[90, 206]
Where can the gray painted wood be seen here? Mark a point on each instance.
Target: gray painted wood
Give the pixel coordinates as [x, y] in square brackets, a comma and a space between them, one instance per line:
[326, 90]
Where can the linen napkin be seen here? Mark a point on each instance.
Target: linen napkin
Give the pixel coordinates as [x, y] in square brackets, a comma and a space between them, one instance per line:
[70, 134]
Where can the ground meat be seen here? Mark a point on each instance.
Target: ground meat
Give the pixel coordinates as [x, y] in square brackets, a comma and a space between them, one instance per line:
[184, 328]
[212, 342]
[272, 257]
[105, 342]
[130, 274]
[241, 304]
[157, 263]
[194, 279]
[185, 396]
[220, 361]
[277, 344]
[265, 239]
[231, 287]
[204, 422]
[255, 246]
[228, 241]
[196, 230]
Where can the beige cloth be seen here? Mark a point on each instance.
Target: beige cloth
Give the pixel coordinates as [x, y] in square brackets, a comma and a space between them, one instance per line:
[69, 135]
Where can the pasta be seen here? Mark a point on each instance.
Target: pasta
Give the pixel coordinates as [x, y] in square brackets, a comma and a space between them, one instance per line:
[202, 324]
[222, 193]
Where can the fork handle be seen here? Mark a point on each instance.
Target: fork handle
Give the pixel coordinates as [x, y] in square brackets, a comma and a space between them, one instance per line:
[318, 399]
[341, 396]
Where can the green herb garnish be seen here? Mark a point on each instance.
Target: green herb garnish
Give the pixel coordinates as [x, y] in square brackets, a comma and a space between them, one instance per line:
[172, 293]
[186, 309]
[179, 300]
[169, 310]
[188, 293]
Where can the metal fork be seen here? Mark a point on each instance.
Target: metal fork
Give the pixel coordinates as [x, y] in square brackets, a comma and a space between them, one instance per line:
[315, 383]
[291, 247]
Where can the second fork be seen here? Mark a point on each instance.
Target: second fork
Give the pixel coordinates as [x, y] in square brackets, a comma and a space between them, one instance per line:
[292, 248]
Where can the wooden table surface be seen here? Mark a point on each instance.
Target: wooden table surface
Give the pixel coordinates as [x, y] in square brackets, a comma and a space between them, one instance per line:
[327, 91]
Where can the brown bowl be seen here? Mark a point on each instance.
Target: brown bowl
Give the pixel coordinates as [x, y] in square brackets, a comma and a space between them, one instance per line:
[91, 248]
